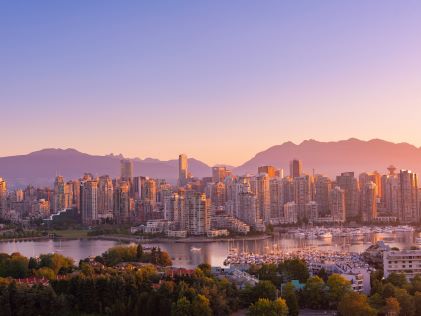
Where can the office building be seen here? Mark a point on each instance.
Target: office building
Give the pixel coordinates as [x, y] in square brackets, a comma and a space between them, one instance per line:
[126, 169]
[182, 170]
[295, 168]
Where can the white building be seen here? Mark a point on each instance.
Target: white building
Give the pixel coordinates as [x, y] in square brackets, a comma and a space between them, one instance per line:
[407, 262]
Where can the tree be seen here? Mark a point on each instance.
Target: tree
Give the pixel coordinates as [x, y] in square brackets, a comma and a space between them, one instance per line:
[200, 306]
[388, 290]
[338, 286]
[45, 272]
[392, 307]
[417, 303]
[265, 307]
[139, 252]
[288, 293]
[314, 293]
[355, 304]
[398, 279]
[294, 269]
[376, 301]
[406, 302]
[182, 307]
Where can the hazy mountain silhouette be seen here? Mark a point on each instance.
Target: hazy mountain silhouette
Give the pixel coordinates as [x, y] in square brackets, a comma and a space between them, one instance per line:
[331, 158]
[41, 167]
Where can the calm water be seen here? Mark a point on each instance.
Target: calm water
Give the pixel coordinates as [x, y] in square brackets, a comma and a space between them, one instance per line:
[213, 253]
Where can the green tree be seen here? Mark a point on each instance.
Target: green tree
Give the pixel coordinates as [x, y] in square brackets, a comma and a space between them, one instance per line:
[417, 303]
[355, 304]
[182, 307]
[406, 302]
[290, 296]
[201, 307]
[315, 293]
[45, 272]
[338, 286]
[265, 307]
[139, 252]
[398, 279]
[376, 301]
[388, 290]
[294, 269]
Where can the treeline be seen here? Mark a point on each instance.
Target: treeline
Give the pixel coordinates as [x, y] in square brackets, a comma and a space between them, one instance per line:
[140, 292]
[17, 266]
[134, 253]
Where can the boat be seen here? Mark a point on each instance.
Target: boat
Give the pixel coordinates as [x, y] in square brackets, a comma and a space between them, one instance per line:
[326, 235]
[418, 240]
[195, 249]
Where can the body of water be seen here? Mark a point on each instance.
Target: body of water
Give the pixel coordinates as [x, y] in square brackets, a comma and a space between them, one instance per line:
[213, 253]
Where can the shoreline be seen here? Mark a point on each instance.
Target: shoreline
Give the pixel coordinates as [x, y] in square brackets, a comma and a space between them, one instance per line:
[130, 239]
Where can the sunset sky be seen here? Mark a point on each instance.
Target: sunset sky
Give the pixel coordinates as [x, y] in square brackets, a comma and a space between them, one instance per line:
[217, 80]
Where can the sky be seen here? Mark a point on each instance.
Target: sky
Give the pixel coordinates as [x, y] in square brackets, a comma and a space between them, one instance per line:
[217, 80]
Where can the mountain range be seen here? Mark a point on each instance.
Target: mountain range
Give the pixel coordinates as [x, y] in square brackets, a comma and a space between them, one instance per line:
[329, 158]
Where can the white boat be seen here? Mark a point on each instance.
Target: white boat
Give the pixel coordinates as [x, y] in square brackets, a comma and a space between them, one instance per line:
[418, 240]
[326, 235]
[195, 249]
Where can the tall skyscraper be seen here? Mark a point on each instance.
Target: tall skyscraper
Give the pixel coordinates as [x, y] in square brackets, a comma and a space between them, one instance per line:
[391, 196]
[198, 213]
[58, 197]
[126, 169]
[105, 195]
[88, 201]
[347, 182]
[302, 193]
[122, 203]
[3, 197]
[408, 182]
[369, 201]
[323, 186]
[295, 168]
[337, 204]
[219, 174]
[182, 170]
[263, 197]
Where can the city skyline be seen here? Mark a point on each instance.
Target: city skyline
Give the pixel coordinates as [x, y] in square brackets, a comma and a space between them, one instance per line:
[219, 81]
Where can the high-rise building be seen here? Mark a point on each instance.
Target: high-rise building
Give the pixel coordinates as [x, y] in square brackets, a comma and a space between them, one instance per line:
[88, 201]
[408, 190]
[295, 168]
[323, 186]
[3, 197]
[150, 192]
[126, 169]
[182, 170]
[219, 174]
[122, 203]
[269, 170]
[337, 204]
[390, 199]
[105, 195]
[58, 197]
[276, 206]
[198, 213]
[369, 202]
[302, 193]
[347, 182]
[218, 195]
[263, 197]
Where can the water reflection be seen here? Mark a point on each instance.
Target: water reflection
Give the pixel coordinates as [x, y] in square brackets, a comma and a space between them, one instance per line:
[213, 253]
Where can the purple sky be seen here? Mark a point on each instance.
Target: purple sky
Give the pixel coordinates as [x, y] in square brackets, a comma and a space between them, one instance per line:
[217, 80]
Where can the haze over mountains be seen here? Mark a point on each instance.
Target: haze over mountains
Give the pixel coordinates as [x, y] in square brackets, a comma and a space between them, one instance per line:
[329, 158]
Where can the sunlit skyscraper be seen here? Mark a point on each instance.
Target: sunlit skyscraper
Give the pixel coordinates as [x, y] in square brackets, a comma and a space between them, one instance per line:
[182, 170]
[126, 169]
[295, 168]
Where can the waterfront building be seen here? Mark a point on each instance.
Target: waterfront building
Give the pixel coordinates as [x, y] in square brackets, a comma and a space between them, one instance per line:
[263, 197]
[287, 191]
[408, 189]
[337, 204]
[198, 213]
[295, 168]
[58, 195]
[290, 213]
[276, 206]
[302, 193]
[150, 192]
[390, 199]
[218, 195]
[311, 211]
[121, 201]
[182, 170]
[369, 202]
[407, 262]
[89, 200]
[3, 197]
[126, 169]
[347, 182]
[105, 195]
[323, 186]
